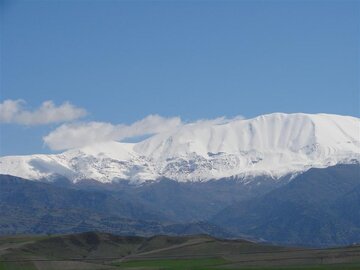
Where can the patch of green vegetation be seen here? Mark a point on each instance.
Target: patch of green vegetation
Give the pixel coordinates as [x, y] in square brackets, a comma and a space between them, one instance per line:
[173, 264]
[17, 266]
[218, 264]
[312, 267]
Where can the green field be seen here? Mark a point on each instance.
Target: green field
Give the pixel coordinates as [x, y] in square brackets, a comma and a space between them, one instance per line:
[17, 266]
[218, 264]
[175, 264]
[96, 251]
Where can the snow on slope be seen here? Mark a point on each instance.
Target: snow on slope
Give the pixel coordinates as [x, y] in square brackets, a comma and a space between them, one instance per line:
[274, 144]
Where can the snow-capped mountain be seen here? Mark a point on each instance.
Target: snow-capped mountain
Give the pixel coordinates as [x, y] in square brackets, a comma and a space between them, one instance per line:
[273, 145]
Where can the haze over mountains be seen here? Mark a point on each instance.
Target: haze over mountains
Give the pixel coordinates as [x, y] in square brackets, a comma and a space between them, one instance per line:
[273, 145]
[284, 178]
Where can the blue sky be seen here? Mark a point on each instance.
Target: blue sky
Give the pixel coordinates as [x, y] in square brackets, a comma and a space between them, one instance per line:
[122, 61]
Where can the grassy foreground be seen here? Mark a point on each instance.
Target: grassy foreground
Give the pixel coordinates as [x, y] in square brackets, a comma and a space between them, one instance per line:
[219, 264]
[96, 251]
[174, 264]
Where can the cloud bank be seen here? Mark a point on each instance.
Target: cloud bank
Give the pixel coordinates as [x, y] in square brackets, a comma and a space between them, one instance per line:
[14, 111]
[75, 135]
[72, 134]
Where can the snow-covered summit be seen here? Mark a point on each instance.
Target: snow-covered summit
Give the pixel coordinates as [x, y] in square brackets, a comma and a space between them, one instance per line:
[274, 144]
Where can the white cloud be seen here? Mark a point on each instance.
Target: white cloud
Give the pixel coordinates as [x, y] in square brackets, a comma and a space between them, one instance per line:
[13, 111]
[75, 135]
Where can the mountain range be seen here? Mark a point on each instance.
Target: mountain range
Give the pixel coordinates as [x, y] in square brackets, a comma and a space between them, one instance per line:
[273, 145]
[284, 178]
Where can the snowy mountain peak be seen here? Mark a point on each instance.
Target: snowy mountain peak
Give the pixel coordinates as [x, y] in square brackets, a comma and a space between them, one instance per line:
[272, 132]
[273, 144]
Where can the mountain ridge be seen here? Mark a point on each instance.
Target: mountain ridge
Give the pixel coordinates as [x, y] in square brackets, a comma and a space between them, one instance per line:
[274, 145]
[319, 207]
